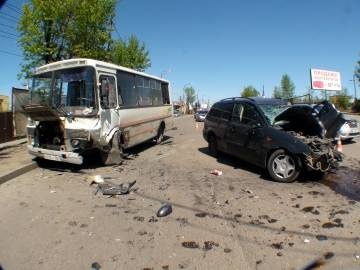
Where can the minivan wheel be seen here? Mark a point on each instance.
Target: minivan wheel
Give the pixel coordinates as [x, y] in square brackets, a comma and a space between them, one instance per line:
[282, 167]
[212, 145]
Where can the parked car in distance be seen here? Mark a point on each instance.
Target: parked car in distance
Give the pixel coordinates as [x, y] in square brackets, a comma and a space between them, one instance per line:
[349, 130]
[273, 135]
[200, 115]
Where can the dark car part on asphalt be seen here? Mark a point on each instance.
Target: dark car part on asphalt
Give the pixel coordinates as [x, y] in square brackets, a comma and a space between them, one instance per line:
[108, 188]
[95, 266]
[272, 134]
[164, 210]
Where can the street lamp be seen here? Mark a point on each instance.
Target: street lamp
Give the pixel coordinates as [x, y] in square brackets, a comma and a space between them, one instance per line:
[354, 80]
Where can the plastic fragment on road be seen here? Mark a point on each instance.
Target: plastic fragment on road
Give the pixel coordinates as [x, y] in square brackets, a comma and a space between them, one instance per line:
[306, 241]
[109, 188]
[316, 264]
[216, 172]
[164, 210]
[52, 191]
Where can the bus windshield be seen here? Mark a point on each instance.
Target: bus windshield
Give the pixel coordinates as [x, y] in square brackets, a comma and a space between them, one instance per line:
[71, 89]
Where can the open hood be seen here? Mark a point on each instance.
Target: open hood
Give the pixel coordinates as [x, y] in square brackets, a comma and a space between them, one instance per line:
[39, 112]
[322, 120]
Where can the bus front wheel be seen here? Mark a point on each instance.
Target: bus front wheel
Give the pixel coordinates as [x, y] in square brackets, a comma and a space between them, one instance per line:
[114, 155]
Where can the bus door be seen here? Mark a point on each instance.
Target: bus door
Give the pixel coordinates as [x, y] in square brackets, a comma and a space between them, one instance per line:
[109, 114]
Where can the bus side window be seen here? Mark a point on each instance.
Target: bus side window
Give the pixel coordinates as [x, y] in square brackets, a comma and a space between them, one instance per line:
[165, 93]
[107, 92]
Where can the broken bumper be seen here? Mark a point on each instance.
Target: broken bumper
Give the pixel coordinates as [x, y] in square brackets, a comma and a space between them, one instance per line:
[62, 156]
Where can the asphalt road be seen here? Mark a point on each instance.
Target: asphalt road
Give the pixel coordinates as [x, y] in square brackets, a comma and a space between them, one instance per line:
[51, 218]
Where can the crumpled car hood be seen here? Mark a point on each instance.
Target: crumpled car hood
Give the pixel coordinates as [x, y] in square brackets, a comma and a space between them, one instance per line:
[323, 120]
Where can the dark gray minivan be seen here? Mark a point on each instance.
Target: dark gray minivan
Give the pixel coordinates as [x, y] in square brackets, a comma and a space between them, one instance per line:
[263, 132]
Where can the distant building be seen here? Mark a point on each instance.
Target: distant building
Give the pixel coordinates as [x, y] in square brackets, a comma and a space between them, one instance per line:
[4, 103]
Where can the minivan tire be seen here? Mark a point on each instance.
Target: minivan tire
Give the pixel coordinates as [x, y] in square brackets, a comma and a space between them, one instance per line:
[212, 145]
[283, 167]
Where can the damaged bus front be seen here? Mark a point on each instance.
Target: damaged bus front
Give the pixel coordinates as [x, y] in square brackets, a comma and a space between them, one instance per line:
[81, 105]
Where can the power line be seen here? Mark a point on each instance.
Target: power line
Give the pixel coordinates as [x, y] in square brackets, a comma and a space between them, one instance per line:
[13, 8]
[8, 26]
[3, 36]
[10, 53]
[8, 33]
[10, 16]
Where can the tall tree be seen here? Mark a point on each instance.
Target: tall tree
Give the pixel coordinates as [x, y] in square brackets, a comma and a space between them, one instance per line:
[57, 30]
[250, 91]
[287, 87]
[189, 96]
[277, 92]
[131, 54]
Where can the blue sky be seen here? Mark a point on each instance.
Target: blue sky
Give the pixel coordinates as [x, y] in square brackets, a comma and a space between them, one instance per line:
[221, 46]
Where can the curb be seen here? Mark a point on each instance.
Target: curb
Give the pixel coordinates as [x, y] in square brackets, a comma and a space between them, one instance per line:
[12, 144]
[17, 172]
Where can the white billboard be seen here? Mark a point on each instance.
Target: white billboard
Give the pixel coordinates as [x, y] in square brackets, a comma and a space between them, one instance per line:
[325, 80]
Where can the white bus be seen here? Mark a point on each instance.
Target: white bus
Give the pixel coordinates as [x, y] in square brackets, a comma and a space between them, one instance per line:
[79, 105]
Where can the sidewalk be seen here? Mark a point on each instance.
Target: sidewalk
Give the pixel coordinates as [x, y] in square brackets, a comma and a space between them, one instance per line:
[14, 160]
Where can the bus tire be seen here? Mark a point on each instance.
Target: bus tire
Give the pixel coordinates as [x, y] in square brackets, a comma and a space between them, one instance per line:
[115, 155]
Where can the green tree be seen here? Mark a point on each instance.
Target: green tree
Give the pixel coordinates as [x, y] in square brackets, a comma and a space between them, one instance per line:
[343, 100]
[56, 30]
[250, 91]
[287, 87]
[131, 54]
[189, 96]
[277, 92]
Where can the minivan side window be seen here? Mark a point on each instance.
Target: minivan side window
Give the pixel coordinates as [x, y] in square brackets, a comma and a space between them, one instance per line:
[245, 114]
[221, 110]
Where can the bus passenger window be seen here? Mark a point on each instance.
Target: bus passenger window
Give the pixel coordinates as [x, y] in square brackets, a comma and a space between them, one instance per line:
[107, 92]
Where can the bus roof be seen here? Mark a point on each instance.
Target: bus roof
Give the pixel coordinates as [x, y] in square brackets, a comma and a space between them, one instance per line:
[76, 62]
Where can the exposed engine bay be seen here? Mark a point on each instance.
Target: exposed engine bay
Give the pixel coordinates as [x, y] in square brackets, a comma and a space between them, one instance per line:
[49, 135]
[323, 155]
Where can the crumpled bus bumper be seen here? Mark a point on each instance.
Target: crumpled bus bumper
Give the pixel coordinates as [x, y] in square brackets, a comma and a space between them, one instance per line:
[61, 156]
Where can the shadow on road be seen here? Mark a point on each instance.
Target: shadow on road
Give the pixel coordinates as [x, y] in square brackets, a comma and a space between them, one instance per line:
[92, 160]
[237, 163]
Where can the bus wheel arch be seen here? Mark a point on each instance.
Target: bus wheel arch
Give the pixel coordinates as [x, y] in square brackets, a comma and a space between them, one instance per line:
[115, 153]
[160, 134]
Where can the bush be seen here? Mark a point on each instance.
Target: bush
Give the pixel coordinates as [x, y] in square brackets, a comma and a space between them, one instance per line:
[342, 102]
[356, 106]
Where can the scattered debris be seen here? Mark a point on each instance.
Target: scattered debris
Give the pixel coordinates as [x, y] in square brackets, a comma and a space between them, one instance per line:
[247, 191]
[201, 214]
[164, 210]
[357, 257]
[137, 218]
[190, 244]
[227, 250]
[109, 188]
[306, 241]
[279, 245]
[216, 172]
[153, 219]
[95, 266]
[279, 254]
[321, 237]
[291, 244]
[319, 262]
[52, 191]
[259, 262]
[209, 245]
